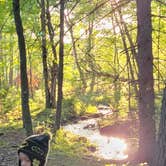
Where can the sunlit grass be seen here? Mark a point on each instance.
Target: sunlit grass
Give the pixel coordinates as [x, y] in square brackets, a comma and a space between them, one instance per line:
[3, 143]
[70, 144]
[91, 109]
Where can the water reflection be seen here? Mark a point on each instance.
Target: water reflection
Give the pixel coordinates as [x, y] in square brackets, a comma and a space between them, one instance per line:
[107, 148]
[112, 148]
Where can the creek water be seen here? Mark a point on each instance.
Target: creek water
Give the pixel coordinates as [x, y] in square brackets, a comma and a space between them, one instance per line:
[107, 147]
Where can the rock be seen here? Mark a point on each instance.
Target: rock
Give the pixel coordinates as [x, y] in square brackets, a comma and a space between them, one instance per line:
[92, 148]
[1, 134]
[89, 126]
[121, 130]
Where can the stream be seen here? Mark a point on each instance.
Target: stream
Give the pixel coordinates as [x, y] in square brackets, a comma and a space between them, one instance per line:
[107, 147]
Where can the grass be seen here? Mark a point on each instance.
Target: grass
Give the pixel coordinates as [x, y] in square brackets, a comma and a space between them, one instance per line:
[67, 149]
[70, 144]
[59, 159]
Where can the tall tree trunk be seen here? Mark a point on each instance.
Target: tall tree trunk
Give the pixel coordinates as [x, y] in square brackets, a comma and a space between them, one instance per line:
[30, 76]
[89, 56]
[44, 53]
[23, 69]
[158, 46]
[125, 32]
[160, 153]
[82, 77]
[60, 71]
[1, 59]
[117, 87]
[146, 82]
[5, 67]
[54, 67]
[11, 63]
[125, 35]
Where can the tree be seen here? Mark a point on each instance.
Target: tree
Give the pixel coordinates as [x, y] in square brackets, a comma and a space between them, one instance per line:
[54, 66]
[60, 71]
[27, 122]
[1, 68]
[11, 64]
[44, 53]
[159, 157]
[146, 82]
[69, 23]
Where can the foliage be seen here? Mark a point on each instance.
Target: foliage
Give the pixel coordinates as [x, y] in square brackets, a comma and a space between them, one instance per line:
[10, 99]
[74, 107]
[100, 62]
[69, 144]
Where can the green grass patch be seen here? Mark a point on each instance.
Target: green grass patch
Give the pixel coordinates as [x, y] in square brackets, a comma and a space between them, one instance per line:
[3, 143]
[70, 144]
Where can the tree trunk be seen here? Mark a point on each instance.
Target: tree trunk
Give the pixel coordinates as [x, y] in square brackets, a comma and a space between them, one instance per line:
[160, 153]
[1, 59]
[82, 77]
[23, 69]
[146, 82]
[30, 76]
[117, 87]
[44, 53]
[60, 71]
[11, 63]
[90, 56]
[54, 67]
[125, 33]
[158, 46]
[6, 66]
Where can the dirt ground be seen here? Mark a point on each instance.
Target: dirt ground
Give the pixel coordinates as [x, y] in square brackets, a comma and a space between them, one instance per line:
[10, 141]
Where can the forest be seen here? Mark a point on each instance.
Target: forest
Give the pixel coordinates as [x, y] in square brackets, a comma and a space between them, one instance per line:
[89, 72]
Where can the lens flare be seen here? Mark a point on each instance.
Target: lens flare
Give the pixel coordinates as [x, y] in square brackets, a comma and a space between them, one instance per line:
[112, 148]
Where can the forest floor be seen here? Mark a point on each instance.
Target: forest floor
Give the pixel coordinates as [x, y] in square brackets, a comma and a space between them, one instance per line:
[10, 141]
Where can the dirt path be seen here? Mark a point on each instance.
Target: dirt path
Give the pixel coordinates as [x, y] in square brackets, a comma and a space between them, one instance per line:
[9, 143]
[62, 160]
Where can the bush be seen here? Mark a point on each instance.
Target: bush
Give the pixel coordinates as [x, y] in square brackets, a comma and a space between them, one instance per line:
[10, 99]
[68, 109]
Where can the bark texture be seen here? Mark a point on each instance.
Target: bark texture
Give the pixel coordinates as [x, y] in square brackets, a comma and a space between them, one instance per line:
[27, 122]
[146, 82]
[160, 153]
